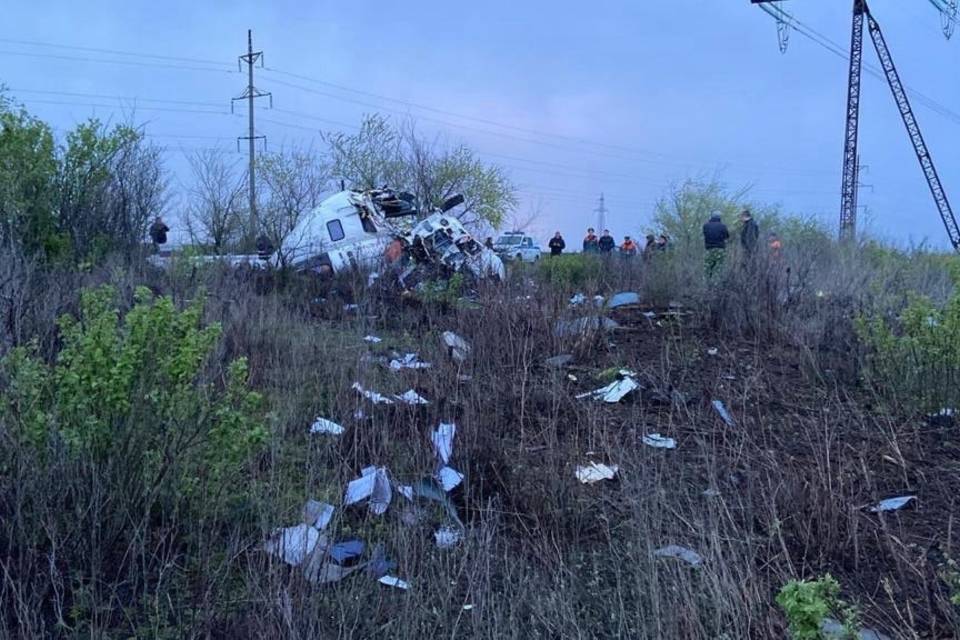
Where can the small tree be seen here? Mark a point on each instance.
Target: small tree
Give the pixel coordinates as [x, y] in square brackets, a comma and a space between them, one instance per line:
[216, 208]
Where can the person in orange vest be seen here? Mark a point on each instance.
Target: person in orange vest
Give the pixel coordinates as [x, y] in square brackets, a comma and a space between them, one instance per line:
[591, 244]
[629, 247]
[776, 247]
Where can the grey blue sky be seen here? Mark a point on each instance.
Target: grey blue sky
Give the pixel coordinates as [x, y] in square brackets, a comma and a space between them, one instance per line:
[622, 97]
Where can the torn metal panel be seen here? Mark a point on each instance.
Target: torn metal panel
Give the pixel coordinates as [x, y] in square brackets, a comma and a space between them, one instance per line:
[322, 425]
[393, 581]
[623, 299]
[373, 485]
[892, 504]
[659, 442]
[458, 347]
[442, 439]
[721, 410]
[372, 396]
[449, 478]
[318, 514]
[613, 392]
[595, 472]
[583, 326]
[341, 552]
[411, 397]
[408, 361]
[689, 556]
[293, 544]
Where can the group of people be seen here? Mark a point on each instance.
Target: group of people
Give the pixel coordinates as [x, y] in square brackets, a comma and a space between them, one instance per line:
[605, 244]
[716, 235]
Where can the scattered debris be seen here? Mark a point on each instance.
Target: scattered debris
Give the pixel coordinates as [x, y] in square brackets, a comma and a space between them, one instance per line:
[834, 630]
[293, 544]
[319, 572]
[577, 299]
[892, 504]
[462, 377]
[359, 414]
[372, 339]
[623, 299]
[346, 550]
[374, 484]
[711, 493]
[446, 537]
[322, 425]
[372, 396]
[659, 442]
[581, 326]
[318, 514]
[449, 478]
[689, 556]
[560, 361]
[596, 472]
[442, 439]
[649, 315]
[351, 307]
[411, 397]
[613, 392]
[392, 581]
[712, 351]
[408, 361]
[458, 347]
[723, 413]
[944, 418]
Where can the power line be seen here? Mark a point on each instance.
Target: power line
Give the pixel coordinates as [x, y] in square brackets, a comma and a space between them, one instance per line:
[108, 97]
[135, 63]
[137, 108]
[35, 43]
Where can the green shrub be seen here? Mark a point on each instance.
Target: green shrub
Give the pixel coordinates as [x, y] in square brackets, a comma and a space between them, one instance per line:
[569, 270]
[807, 603]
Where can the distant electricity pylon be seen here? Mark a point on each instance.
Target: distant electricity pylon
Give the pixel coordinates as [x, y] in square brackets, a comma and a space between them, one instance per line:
[250, 94]
[601, 212]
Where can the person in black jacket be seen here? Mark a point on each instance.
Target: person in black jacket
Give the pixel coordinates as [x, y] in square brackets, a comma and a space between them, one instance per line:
[590, 242]
[749, 233]
[158, 233]
[715, 236]
[606, 242]
[556, 244]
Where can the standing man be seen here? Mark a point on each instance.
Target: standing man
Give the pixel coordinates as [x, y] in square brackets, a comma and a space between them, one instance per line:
[749, 234]
[715, 236]
[606, 242]
[649, 247]
[590, 242]
[628, 248]
[158, 233]
[663, 242]
[488, 243]
[556, 244]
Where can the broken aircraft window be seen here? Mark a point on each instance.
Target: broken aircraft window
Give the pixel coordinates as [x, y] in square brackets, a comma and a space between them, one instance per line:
[368, 225]
[335, 229]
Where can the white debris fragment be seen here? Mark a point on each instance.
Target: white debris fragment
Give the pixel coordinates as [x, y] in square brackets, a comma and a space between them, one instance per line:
[835, 630]
[318, 514]
[372, 339]
[613, 392]
[624, 298]
[583, 326]
[649, 315]
[322, 425]
[372, 396]
[351, 307]
[712, 351]
[406, 491]
[446, 537]
[596, 472]
[892, 504]
[449, 478]
[627, 373]
[724, 414]
[459, 348]
[374, 484]
[392, 581]
[293, 544]
[577, 299]
[409, 361]
[711, 493]
[658, 441]
[689, 556]
[442, 439]
[411, 397]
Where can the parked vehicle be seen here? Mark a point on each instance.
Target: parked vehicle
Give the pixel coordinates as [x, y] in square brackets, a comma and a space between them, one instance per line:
[517, 245]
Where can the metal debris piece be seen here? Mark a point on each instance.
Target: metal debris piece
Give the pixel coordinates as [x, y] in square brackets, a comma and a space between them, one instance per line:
[446, 537]
[689, 556]
[346, 550]
[411, 397]
[372, 396]
[559, 361]
[374, 484]
[892, 504]
[449, 478]
[409, 361]
[431, 489]
[623, 299]
[372, 339]
[319, 572]
[834, 630]
[442, 439]
[581, 326]
[458, 347]
[658, 441]
[322, 425]
[613, 392]
[378, 564]
[596, 472]
[649, 315]
[351, 307]
[723, 413]
[577, 299]
[293, 544]
[712, 351]
[318, 514]
[392, 581]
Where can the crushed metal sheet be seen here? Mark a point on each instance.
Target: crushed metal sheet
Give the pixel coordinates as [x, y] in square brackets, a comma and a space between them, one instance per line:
[322, 425]
[581, 326]
[293, 544]
[340, 552]
[613, 392]
[723, 413]
[458, 347]
[411, 397]
[373, 484]
[442, 439]
[892, 504]
[689, 556]
[409, 361]
[431, 489]
[405, 490]
[596, 472]
[449, 478]
[446, 537]
[318, 514]
[372, 396]
[623, 299]
[392, 581]
[372, 339]
[559, 361]
[658, 441]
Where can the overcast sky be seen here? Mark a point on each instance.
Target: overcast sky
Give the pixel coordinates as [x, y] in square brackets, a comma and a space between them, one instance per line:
[624, 98]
